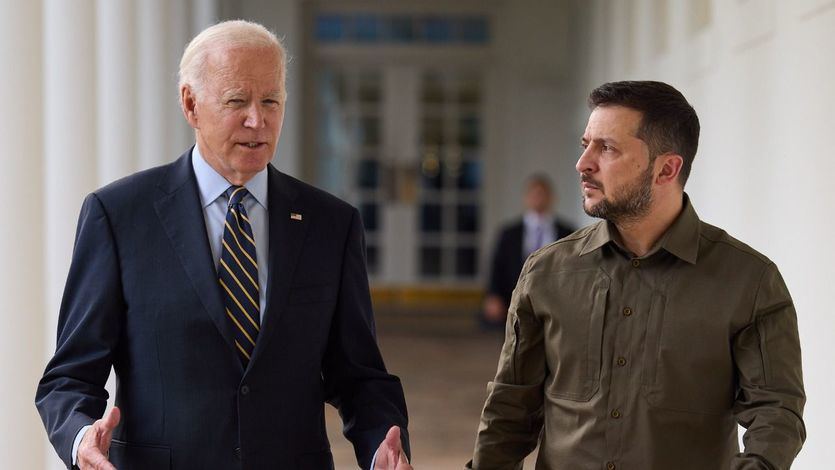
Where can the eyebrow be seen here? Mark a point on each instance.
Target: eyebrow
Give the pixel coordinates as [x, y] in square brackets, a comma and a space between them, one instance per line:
[606, 140]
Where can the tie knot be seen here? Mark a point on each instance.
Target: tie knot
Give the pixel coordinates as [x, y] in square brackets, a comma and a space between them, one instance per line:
[236, 194]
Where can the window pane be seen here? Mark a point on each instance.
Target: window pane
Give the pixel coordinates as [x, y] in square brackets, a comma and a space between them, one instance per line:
[370, 130]
[433, 131]
[468, 131]
[401, 28]
[469, 92]
[366, 28]
[466, 261]
[430, 218]
[467, 218]
[372, 258]
[369, 88]
[470, 176]
[330, 28]
[431, 171]
[436, 29]
[473, 30]
[430, 261]
[368, 213]
[368, 174]
[433, 89]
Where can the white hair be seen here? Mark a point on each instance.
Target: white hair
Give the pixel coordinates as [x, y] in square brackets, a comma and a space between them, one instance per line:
[226, 35]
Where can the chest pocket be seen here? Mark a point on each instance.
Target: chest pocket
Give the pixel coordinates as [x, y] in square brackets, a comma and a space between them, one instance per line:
[687, 358]
[573, 307]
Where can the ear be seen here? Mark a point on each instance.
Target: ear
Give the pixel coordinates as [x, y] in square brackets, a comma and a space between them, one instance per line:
[667, 167]
[188, 102]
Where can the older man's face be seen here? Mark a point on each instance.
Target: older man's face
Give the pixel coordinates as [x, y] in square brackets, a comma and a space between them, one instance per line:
[239, 111]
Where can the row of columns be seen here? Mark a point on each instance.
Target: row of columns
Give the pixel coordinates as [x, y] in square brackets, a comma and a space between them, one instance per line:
[89, 96]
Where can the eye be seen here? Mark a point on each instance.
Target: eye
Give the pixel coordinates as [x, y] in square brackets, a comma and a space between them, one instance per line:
[607, 148]
[271, 102]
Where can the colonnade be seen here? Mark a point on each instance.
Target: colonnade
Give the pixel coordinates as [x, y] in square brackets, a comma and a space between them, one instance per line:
[89, 96]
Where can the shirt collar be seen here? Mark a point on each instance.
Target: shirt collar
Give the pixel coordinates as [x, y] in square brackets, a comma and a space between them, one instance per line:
[533, 219]
[681, 239]
[211, 184]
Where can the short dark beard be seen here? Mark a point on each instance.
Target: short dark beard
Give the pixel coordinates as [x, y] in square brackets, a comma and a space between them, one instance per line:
[628, 204]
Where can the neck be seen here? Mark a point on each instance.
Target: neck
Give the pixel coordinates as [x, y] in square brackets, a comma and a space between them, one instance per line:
[640, 235]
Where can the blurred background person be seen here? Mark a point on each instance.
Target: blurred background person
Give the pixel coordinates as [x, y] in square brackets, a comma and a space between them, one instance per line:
[516, 240]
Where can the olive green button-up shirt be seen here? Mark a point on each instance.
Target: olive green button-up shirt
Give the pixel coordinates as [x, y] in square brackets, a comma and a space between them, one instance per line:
[618, 362]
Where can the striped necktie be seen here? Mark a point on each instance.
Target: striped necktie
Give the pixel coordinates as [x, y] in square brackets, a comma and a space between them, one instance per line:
[238, 274]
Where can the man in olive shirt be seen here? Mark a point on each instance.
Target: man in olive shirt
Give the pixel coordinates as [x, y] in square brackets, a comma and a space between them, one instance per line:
[639, 342]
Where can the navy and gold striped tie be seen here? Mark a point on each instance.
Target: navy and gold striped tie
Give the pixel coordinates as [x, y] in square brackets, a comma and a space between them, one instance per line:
[238, 274]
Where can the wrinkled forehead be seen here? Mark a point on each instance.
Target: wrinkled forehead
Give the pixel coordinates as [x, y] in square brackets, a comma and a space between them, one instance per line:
[263, 59]
[261, 66]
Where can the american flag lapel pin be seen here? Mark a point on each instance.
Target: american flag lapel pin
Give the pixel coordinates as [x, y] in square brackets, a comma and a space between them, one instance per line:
[295, 216]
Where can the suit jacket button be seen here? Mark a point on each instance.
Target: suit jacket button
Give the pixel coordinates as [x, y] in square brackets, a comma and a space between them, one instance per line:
[244, 389]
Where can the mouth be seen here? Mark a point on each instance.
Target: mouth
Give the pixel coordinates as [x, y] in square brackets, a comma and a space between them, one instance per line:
[588, 185]
[252, 145]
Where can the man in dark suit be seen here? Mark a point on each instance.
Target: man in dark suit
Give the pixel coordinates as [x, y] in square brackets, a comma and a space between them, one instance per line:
[229, 326]
[537, 228]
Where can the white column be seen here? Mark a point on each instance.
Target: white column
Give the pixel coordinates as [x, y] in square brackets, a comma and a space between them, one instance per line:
[117, 100]
[180, 134]
[204, 13]
[155, 89]
[22, 438]
[70, 129]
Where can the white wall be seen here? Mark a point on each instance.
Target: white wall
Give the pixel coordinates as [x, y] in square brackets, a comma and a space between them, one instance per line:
[759, 73]
[21, 235]
[534, 109]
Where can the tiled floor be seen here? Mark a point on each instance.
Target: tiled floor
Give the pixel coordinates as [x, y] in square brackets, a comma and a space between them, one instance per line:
[444, 362]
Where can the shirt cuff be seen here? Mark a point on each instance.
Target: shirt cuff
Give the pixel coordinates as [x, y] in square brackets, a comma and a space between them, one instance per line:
[80, 436]
[374, 459]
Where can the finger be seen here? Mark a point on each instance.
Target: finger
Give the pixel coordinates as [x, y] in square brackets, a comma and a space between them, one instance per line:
[108, 424]
[392, 439]
[111, 419]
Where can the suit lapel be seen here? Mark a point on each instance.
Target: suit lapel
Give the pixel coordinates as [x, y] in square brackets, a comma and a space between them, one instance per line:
[179, 210]
[287, 235]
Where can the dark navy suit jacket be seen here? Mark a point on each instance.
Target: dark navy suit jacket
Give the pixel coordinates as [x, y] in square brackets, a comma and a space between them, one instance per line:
[142, 295]
[508, 257]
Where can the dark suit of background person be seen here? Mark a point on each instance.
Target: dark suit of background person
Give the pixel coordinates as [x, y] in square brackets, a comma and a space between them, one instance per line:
[511, 250]
[143, 296]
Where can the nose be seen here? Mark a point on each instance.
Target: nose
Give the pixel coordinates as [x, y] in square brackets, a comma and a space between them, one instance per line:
[254, 117]
[585, 164]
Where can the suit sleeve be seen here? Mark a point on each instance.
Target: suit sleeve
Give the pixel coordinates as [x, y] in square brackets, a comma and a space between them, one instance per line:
[71, 392]
[497, 267]
[771, 397]
[512, 417]
[369, 399]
